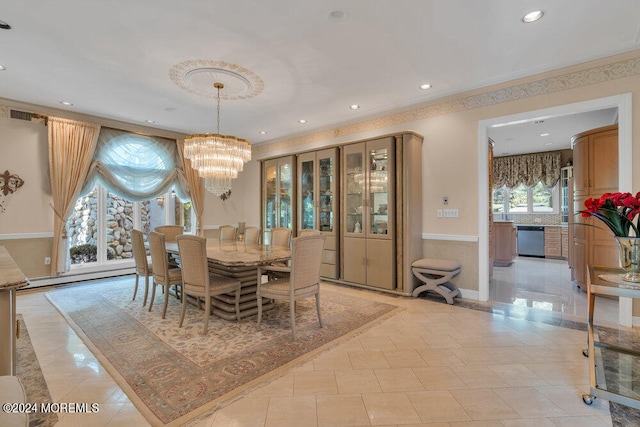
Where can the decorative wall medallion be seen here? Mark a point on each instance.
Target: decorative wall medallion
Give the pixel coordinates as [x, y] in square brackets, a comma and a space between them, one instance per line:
[198, 76]
[9, 183]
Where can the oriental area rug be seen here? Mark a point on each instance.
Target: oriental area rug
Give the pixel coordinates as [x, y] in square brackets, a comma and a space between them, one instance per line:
[173, 374]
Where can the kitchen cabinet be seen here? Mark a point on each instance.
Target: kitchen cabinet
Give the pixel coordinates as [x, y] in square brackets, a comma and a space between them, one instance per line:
[552, 242]
[278, 195]
[566, 193]
[505, 243]
[564, 242]
[318, 202]
[595, 172]
[381, 212]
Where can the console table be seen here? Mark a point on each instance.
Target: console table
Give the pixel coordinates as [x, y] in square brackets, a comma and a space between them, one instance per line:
[11, 279]
[607, 281]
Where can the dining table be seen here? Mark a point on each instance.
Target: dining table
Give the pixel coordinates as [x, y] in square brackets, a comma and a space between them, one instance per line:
[11, 279]
[239, 260]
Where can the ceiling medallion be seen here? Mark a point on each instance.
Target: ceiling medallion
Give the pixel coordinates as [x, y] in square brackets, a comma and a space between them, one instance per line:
[199, 75]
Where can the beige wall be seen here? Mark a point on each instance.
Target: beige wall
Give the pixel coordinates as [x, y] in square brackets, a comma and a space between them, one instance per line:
[242, 206]
[25, 152]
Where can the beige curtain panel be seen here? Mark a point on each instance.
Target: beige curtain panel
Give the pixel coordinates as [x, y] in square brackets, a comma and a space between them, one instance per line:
[527, 169]
[196, 187]
[71, 148]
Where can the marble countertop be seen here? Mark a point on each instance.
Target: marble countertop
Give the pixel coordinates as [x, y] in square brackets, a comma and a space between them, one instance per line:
[11, 277]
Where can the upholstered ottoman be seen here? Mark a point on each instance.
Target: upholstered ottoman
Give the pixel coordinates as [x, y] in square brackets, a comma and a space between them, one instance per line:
[11, 391]
[435, 274]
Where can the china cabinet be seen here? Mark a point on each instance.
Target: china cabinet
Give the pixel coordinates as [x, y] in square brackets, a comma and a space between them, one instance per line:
[595, 172]
[381, 211]
[369, 227]
[278, 195]
[318, 201]
[364, 196]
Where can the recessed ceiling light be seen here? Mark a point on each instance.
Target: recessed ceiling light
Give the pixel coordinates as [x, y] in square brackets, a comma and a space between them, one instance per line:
[302, 121]
[544, 134]
[2, 68]
[532, 16]
[549, 143]
[150, 121]
[67, 103]
[354, 107]
[425, 86]
[338, 16]
[263, 132]
[4, 25]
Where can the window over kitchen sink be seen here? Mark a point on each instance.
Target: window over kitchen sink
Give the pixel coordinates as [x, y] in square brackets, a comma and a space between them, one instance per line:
[526, 200]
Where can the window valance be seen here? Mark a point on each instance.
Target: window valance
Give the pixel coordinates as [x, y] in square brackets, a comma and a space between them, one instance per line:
[527, 169]
[136, 167]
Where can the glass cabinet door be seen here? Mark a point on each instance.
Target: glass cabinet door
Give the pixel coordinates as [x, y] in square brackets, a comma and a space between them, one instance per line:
[317, 190]
[355, 189]
[326, 190]
[286, 195]
[378, 192]
[270, 207]
[278, 197]
[306, 191]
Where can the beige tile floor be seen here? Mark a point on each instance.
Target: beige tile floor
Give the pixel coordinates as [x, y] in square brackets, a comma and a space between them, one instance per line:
[432, 364]
[545, 284]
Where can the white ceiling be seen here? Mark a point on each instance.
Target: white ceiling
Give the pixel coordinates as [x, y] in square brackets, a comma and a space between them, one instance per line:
[546, 133]
[113, 58]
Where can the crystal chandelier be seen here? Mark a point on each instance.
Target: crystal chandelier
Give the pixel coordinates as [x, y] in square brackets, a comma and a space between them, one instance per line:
[217, 158]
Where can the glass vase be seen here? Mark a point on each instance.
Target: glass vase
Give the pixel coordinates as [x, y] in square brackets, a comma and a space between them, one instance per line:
[629, 249]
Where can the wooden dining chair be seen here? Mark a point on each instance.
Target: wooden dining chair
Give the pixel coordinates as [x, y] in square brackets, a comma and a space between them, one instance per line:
[302, 280]
[198, 282]
[252, 235]
[170, 231]
[162, 274]
[308, 232]
[227, 233]
[143, 263]
[280, 237]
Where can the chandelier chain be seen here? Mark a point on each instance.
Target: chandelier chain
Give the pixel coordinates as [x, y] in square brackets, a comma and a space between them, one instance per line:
[218, 117]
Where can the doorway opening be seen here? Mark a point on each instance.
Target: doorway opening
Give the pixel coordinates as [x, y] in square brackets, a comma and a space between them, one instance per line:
[623, 105]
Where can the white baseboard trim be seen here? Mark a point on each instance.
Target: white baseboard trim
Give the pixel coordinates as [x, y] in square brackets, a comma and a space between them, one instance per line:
[451, 237]
[16, 236]
[469, 294]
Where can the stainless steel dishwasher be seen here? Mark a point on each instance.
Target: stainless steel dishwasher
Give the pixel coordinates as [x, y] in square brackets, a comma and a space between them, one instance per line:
[531, 240]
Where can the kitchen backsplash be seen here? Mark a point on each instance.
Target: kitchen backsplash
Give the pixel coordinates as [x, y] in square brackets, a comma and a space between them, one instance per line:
[533, 219]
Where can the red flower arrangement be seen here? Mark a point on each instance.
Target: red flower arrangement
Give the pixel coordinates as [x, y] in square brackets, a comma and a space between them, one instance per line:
[617, 211]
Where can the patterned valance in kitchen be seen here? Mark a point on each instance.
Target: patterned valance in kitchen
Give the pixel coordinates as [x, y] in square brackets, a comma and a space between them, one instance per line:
[527, 169]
